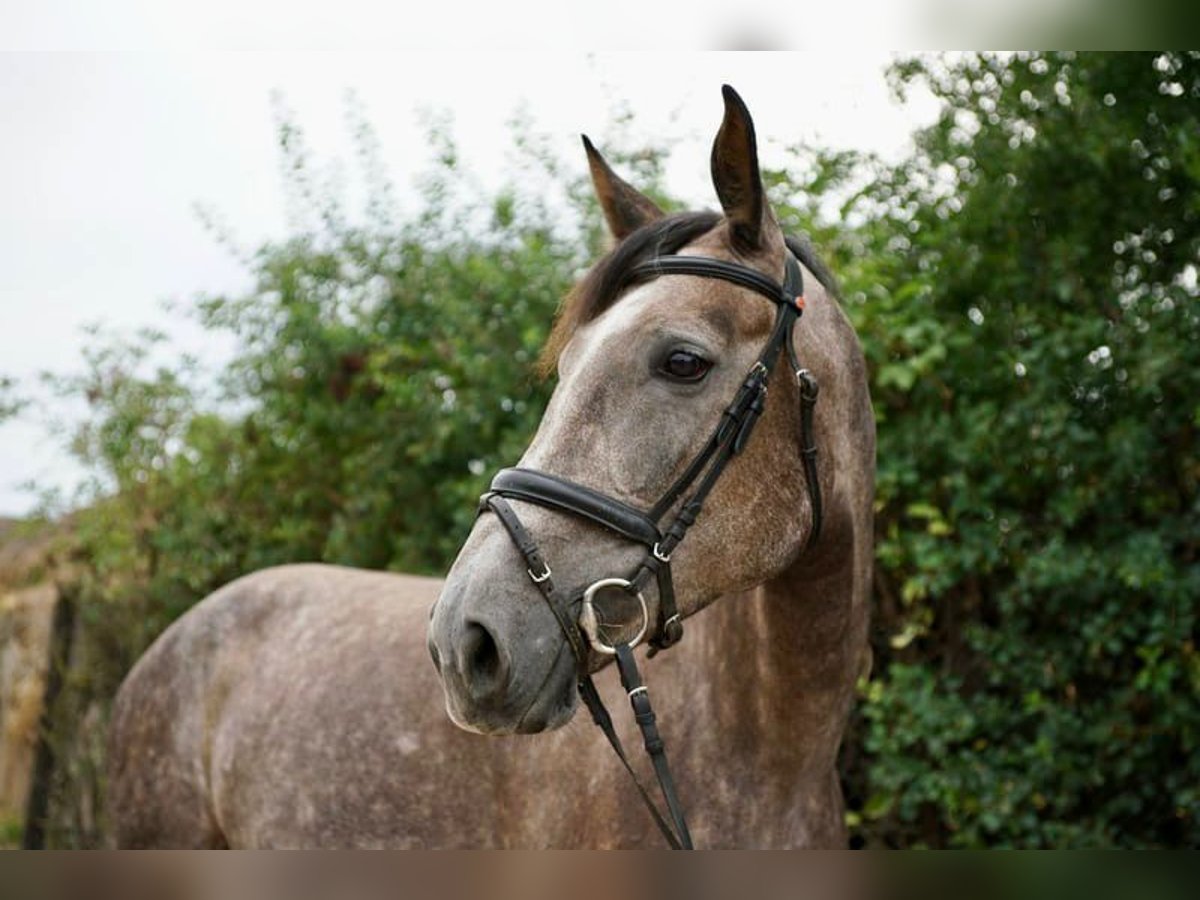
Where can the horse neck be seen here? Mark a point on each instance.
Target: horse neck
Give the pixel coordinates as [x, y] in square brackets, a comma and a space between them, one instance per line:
[790, 653]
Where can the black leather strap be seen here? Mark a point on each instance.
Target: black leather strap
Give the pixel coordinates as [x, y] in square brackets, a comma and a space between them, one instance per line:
[600, 716]
[808, 449]
[707, 267]
[670, 623]
[643, 714]
[558, 493]
[542, 577]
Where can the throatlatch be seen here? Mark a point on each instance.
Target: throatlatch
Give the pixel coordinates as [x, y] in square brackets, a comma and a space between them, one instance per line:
[728, 438]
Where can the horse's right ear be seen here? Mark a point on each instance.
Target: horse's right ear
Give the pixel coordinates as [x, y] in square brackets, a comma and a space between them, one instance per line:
[625, 209]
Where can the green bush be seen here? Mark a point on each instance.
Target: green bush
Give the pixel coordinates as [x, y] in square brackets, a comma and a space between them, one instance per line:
[1025, 289]
[1030, 311]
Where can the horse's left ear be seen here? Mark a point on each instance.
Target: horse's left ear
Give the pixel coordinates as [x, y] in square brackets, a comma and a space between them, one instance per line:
[736, 177]
[625, 208]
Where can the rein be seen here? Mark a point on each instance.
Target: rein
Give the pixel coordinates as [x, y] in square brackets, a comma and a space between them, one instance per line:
[729, 437]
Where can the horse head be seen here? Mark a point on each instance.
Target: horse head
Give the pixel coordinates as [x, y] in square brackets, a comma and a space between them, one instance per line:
[662, 375]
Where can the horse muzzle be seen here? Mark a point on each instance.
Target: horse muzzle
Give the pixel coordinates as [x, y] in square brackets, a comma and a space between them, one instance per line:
[496, 679]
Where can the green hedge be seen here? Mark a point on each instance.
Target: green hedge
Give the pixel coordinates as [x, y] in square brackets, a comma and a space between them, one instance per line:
[1036, 344]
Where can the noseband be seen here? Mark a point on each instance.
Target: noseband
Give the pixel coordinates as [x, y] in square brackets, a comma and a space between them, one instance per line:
[727, 440]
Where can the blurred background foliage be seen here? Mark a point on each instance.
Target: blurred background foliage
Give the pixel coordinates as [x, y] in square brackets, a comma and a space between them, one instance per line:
[1025, 288]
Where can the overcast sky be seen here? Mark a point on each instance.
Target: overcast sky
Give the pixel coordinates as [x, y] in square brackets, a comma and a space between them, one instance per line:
[104, 157]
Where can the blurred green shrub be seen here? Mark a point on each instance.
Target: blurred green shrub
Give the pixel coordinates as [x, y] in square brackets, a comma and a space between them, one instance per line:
[1024, 285]
[10, 403]
[1027, 297]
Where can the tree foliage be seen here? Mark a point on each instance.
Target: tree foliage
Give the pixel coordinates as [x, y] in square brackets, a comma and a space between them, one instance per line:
[10, 403]
[1025, 288]
[1029, 308]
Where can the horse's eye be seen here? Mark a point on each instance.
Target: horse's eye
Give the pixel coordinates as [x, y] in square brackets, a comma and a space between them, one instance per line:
[685, 366]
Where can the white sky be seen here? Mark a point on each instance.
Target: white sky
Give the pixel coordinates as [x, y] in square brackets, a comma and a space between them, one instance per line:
[103, 157]
[465, 26]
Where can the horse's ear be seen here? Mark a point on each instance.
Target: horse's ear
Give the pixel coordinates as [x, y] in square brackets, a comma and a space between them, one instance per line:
[736, 177]
[625, 209]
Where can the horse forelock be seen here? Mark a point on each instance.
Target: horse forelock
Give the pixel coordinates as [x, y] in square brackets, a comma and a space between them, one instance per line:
[602, 285]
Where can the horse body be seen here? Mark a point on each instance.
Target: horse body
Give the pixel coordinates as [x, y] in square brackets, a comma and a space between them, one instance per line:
[297, 707]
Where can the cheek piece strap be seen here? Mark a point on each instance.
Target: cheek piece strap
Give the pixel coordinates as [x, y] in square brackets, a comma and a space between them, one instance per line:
[727, 440]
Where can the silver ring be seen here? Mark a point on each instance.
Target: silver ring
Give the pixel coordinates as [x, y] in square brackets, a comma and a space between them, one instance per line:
[591, 627]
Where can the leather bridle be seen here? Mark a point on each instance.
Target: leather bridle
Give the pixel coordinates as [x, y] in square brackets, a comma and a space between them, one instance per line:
[728, 439]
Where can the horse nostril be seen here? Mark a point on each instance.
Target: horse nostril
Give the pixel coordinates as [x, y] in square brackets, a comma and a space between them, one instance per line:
[483, 665]
[434, 655]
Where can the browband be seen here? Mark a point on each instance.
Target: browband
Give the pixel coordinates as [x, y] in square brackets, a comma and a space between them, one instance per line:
[707, 267]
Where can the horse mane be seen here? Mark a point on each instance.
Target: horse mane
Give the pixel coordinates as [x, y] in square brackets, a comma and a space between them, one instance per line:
[602, 285]
[803, 250]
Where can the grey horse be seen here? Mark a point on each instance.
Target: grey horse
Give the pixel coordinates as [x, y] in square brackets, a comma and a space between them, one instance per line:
[297, 706]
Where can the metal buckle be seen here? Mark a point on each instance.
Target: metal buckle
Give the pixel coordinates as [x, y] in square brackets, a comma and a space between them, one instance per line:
[538, 579]
[589, 624]
[657, 554]
[809, 388]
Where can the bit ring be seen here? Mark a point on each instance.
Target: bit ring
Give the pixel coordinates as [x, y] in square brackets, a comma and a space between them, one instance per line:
[589, 624]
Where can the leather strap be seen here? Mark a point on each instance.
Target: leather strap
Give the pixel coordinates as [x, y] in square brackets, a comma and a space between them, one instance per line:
[549, 490]
[808, 449]
[540, 574]
[707, 267]
[643, 713]
[600, 716]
